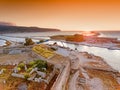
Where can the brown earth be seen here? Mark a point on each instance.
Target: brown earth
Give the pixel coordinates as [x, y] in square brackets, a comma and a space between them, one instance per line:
[107, 78]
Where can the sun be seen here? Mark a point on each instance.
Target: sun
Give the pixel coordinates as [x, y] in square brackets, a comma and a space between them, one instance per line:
[90, 33]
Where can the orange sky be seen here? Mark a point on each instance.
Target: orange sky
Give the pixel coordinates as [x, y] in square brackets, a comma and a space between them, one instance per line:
[63, 14]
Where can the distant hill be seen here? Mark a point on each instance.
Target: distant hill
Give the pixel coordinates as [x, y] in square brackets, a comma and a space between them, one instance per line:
[7, 23]
[21, 29]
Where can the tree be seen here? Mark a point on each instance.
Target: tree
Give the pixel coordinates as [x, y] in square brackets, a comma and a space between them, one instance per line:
[28, 41]
[21, 65]
[26, 76]
[41, 41]
[40, 64]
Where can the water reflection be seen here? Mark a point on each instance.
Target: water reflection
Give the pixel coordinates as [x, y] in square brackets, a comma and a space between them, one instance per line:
[2, 42]
[112, 57]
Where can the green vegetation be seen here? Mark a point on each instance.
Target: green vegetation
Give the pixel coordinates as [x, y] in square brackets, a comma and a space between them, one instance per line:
[28, 41]
[43, 51]
[12, 83]
[41, 41]
[40, 64]
[4, 70]
[21, 65]
[26, 76]
[18, 68]
[29, 70]
[31, 63]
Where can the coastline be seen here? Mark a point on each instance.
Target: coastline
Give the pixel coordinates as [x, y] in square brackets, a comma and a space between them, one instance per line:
[87, 44]
[83, 63]
[109, 46]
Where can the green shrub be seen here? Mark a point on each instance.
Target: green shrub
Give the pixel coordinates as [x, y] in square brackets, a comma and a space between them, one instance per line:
[4, 70]
[26, 76]
[18, 68]
[31, 63]
[28, 41]
[29, 70]
[21, 65]
[41, 64]
[41, 41]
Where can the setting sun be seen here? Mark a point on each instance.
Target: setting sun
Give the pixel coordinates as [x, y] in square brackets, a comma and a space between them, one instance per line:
[89, 33]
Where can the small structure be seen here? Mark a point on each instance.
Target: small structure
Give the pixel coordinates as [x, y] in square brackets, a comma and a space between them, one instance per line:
[42, 74]
[33, 73]
[17, 75]
[15, 51]
[1, 71]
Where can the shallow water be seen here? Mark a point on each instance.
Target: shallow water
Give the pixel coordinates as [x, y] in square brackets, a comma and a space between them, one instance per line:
[2, 42]
[112, 57]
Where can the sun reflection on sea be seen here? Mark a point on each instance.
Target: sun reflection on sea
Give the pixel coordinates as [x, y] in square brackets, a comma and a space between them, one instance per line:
[89, 33]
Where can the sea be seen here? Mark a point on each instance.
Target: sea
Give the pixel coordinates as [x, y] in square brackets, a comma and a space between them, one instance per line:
[110, 34]
[112, 57]
[20, 37]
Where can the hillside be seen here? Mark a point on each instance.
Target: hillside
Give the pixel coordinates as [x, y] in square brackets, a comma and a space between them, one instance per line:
[21, 29]
[2, 23]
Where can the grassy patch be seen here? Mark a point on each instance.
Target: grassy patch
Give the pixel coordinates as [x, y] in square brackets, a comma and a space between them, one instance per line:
[43, 51]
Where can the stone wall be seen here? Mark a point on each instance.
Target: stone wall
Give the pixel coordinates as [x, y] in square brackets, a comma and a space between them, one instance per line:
[62, 78]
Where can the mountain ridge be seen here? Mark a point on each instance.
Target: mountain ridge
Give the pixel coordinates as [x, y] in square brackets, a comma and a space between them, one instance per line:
[22, 29]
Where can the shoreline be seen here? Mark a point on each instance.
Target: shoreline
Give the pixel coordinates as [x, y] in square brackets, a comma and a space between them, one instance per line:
[113, 44]
[89, 45]
[91, 41]
[110, 46]
[106, 58]
[89, 55]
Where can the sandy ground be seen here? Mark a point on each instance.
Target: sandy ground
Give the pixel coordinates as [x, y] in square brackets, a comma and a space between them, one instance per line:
[6, 59]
